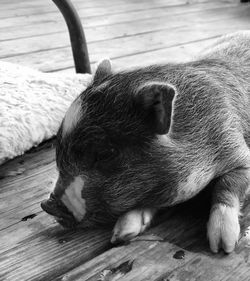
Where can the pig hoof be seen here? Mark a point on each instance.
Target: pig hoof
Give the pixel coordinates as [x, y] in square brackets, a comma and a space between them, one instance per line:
[132, 224]
[223, 228]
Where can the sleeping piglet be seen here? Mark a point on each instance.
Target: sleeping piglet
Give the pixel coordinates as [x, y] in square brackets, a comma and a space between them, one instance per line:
[140, 140]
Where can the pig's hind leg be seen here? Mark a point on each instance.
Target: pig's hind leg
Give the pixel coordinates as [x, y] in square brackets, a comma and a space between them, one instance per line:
[223, 227]
[131, 224]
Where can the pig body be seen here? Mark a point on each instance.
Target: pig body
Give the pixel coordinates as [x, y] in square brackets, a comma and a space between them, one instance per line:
[153, 137]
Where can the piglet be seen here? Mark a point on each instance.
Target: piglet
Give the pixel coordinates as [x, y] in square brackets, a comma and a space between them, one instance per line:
[140, 140]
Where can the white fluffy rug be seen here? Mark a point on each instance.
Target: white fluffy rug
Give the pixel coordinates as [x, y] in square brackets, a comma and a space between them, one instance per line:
[32, 106]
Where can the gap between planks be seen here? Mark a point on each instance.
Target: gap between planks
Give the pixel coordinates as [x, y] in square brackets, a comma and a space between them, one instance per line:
[13, 33]
[12, 9]
[99, 18]
[100, 34]
[51, 60]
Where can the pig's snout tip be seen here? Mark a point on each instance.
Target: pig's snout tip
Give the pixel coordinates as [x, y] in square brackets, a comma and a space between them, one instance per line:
[63, 218]
[50, 205]
[114, 239]
[54, 207]
[47, 206]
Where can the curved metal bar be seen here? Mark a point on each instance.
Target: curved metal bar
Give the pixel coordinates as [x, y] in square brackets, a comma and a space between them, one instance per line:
[77, 37]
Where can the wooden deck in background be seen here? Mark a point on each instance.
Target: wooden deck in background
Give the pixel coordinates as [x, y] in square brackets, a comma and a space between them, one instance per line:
[132, 33]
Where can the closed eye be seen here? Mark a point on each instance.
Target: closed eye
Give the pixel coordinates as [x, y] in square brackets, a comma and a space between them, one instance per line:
[107, 155]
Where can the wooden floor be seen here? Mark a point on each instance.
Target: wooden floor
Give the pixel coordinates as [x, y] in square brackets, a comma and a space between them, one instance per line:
[132, 33]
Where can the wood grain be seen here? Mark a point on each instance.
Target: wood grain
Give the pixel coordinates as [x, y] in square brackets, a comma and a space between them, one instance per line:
[38, 248]
[184, 230]
[14, 32]
[24, 182]
[52, 60]
[97, 11]
[127, 29]
[175, 54]
[22, 8]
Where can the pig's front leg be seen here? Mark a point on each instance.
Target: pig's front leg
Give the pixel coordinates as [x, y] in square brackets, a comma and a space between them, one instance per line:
[223, 227]
[132, 224]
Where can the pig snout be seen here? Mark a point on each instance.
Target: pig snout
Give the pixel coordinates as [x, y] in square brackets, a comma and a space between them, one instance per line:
[66, 203]
[55, 208]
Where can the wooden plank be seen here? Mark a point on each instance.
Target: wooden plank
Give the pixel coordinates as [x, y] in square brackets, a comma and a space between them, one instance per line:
[39, 249]
[60, 250]
[23, 8]
[52, 60]
[15, 32]
[25, 182]
[24, 203]
[101, 11]
[181, 53]
[155, 260]
[10, 7]
[101, 33]
[16, 5]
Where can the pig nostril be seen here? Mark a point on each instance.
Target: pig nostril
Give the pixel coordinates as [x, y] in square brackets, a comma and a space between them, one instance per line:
[44, 205]
[48, 206]
[54, 207]
[114, 239]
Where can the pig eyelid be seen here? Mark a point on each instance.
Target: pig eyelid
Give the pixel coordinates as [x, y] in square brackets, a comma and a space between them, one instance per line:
[106, 155]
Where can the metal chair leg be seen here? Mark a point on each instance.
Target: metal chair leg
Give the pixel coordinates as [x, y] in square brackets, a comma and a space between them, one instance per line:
[77, 37]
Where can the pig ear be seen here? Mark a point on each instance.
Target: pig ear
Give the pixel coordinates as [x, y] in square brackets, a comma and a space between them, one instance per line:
[157, 99]
[103, 69]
